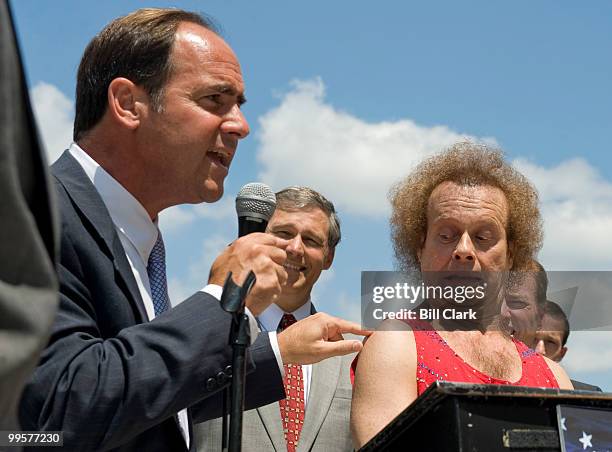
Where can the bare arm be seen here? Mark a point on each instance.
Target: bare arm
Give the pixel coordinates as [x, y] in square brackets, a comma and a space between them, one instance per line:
[385, 382]
[562, 378]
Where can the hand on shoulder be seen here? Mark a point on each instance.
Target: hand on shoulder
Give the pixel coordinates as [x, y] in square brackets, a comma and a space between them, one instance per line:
[318, 337]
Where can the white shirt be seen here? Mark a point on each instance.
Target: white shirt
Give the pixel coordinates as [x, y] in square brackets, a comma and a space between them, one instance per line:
[268, 321]
[138, 234]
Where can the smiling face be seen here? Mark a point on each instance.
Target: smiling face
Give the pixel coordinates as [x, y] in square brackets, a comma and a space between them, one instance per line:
[308, 252]
[466, 232]
[191, 142]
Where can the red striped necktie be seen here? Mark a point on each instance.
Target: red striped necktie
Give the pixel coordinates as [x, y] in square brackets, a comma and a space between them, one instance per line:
[292, 408]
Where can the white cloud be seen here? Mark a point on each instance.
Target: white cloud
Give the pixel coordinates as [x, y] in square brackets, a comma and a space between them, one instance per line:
[222, 210]
[307, 141]
[175, 218]
[54, 114]
[577, 210]
[588, 351]
[349, 308]
[196, 276]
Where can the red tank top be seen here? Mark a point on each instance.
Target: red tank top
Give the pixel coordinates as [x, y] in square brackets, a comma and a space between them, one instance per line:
[436, 361]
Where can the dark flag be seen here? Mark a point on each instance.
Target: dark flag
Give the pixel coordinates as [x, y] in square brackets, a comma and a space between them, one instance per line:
[28, 240]
[584, 429]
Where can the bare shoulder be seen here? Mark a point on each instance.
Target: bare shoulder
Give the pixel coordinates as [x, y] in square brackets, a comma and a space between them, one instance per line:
[392, 345]
[559, 373]
[385, 380]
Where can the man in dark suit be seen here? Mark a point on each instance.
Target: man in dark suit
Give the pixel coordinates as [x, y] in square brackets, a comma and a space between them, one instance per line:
[28, 232]
[323, 392]
[157, 124]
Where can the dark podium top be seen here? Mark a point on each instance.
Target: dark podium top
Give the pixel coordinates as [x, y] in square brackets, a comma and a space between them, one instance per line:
[465, 417]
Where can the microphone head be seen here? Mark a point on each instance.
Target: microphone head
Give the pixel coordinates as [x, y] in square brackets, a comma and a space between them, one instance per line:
[255, 200]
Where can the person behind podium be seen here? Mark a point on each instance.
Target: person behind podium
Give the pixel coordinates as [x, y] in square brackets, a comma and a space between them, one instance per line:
[551, 339]
[524, 301]
[466, 215]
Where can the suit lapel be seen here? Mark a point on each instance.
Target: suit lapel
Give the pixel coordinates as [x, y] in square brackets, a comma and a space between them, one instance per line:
[322, 387]
[271, 419]
[87, 200]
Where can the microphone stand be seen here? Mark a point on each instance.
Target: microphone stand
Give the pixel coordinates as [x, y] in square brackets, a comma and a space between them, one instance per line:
[232, 301]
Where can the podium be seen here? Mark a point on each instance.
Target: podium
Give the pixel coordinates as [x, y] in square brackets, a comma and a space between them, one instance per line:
[465, 417]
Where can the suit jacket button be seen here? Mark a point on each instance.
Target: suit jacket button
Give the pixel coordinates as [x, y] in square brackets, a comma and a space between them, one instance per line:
[221, 378]
[211, 384]
[228, 371]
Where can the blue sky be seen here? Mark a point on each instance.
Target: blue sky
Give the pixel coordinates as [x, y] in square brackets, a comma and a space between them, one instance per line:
[347, 96]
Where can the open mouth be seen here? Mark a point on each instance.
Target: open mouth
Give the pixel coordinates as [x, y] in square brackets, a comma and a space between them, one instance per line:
[463, 279]
[294, 267]
[221, 157]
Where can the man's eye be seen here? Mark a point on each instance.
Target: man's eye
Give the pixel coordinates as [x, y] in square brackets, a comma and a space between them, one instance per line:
[313, 243]
[516, 304]
[214, 98]
[445, 237]
[282, 234]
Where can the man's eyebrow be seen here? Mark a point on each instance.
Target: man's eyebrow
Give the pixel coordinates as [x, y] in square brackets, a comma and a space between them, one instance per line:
[282, 225]
[224, 88]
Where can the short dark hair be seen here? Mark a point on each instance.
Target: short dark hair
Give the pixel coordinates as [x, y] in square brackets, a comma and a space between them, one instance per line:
[554, 310]
[535, 270]
[297, 198]
[137, 47]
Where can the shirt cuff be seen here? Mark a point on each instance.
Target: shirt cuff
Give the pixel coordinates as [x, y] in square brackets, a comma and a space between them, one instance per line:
[276, 350]
[216, 291]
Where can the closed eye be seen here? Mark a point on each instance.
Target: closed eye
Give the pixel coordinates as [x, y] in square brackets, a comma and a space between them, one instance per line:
[516, 304]
[313, 242]
[446, 237]
[282, 234]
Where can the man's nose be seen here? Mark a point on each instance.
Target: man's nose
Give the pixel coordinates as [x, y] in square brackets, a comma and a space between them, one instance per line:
[235, 123]
[295, 247]
[505, 310]
[540, 347]
[464, 251]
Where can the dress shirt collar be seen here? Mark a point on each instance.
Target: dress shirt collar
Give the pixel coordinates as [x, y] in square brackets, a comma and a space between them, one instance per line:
[128, 215]
[272, 315]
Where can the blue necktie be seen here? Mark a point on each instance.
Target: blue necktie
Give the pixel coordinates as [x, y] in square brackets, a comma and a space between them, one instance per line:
[156, 268]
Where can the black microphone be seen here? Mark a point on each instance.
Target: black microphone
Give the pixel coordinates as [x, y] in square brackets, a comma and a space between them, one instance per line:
[255, 204]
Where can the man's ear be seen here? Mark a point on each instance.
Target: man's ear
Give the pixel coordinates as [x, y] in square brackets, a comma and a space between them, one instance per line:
[329, 258]
[562, 353]
[125, 102]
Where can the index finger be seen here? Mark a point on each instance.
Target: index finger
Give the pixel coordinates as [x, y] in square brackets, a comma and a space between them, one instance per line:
[277, 241]
[345, 326]
[265, 238]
